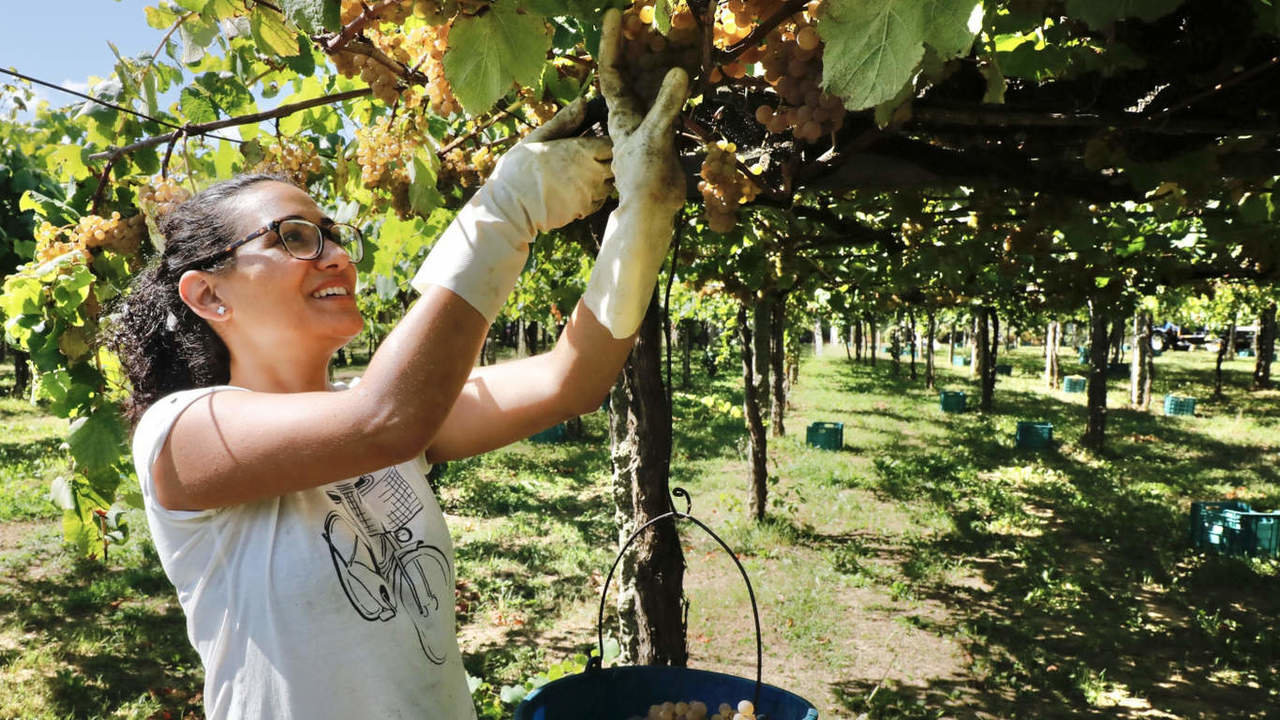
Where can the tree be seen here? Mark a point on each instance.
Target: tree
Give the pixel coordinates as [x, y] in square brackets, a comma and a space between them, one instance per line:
[1266, 346]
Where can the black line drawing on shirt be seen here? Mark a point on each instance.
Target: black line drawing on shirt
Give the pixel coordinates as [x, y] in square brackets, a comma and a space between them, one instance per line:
[381, 567]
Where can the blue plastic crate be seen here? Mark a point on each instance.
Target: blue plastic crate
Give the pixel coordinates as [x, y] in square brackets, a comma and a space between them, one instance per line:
[1073, 384]
[1246, 353]
[960, 361]
[952, 401]
[1207, 525]
[1179, 405]
[623, 692]
[825, 435]
[553, 434]
[1033, 435]
[1234, 528]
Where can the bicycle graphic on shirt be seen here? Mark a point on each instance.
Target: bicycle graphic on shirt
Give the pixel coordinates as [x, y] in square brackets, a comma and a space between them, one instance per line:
[382, 568]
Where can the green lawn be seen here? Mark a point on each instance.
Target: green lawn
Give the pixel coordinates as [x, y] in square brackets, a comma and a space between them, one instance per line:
[927, 569]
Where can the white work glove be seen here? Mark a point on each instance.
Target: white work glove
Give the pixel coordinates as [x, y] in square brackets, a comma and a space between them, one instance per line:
[651, 190]
[543, 182]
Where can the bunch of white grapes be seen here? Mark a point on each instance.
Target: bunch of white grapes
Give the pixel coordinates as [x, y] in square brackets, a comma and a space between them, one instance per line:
[421, 48]
[161, 196]
[792, 63]
[724, 187]
[296, 161]
[647, 54]
[697, 710]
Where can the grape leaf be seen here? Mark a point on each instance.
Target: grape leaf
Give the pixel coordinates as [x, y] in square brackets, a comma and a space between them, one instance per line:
[222, 9]
[160, 18]
[872, 48]
[491, 51]
[271, 34]
[951, 25]
[95, 439]
[196, 106]
[22, 296]
[1101, 13]
[423, 197]
[196, 34]
[192, 5]
[68, 159]
[72, 290]
[304, 63]
[227, 93]
[77, 531]
[312, 16]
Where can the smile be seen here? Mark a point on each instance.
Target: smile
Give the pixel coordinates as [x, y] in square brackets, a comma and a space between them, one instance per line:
[329, 291]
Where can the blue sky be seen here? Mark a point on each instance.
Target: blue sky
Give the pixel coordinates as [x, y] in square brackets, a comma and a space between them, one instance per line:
[65, 41]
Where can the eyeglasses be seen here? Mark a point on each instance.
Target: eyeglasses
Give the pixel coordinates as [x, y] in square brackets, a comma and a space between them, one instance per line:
[303, 239]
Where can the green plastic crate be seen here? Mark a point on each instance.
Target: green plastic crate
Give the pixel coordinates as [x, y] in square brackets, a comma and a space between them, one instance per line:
[1234, 528]
[1207, 526]
[1003, 369]
[1179, 405]
[1246, 353]
[960, 361]
[1074, 384]
[1083, 354]
[553, 434]
[952, 401]
[1033, 435]
[825, 435]
[1117, 370]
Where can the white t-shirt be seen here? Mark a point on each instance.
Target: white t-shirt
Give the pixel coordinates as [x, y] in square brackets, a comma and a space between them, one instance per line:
[333, 602]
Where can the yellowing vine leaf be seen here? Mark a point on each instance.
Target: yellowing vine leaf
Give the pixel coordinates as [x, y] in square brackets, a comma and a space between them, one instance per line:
[272, 35]
[489, 52]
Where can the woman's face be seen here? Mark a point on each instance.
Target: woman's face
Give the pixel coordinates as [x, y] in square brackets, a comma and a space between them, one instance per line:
[274, 298]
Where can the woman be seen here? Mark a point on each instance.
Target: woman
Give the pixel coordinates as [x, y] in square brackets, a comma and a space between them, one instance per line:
[293, 517]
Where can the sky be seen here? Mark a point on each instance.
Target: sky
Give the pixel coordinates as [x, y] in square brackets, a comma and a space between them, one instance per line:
[65, 41]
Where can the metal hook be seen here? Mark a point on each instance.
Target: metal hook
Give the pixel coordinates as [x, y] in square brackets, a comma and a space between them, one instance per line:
[688, 501]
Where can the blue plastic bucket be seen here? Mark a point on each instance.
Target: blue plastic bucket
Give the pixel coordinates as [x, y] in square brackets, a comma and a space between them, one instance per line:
[626, 692]
[623, 692]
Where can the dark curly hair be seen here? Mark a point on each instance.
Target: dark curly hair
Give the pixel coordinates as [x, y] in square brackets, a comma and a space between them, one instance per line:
[164, 346]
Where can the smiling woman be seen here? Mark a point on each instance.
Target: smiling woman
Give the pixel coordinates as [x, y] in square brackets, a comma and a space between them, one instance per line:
[293, 516]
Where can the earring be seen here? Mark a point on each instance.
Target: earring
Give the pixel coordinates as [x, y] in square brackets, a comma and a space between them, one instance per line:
[222, 310]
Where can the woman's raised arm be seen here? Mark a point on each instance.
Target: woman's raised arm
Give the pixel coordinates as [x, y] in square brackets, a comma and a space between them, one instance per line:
[236, 447]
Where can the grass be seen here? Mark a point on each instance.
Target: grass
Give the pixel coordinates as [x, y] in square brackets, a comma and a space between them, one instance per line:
[927, 569]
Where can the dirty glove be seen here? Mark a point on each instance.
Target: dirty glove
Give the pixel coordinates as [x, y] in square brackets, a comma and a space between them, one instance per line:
[543, 182]
[651, 190]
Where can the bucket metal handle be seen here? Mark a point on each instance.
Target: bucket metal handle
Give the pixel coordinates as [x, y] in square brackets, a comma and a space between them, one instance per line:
[596, 662]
